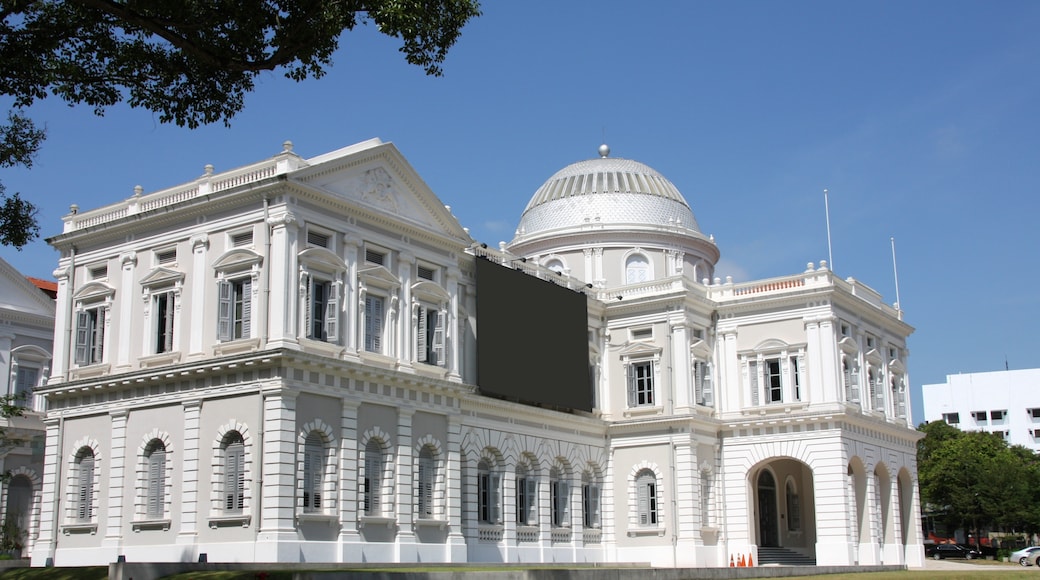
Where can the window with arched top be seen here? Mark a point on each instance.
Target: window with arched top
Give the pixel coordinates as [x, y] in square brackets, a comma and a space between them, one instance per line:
[489, 485]
[155, 479]
[313, 471]
[646, 498]
[794, 507]
[373, 479]
[84, 500]
[425, 481]
[555, 264]
[526, 497]
[559, 497]
[637, 269]
[234, 448]
[590, 497]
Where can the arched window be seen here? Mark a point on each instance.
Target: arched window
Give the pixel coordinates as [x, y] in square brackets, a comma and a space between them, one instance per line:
[526, 497]
[794, 508]
[84, 484]
[313, 471]
[646, 498]
[589, 500]
[425, 481]
[559, 498]
[555, 265]
[234, 486]
[373, 482]
[637, 269]
[489, 484]
[155, 477]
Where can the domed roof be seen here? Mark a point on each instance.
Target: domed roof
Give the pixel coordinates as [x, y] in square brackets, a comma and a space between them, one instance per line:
[603, 192]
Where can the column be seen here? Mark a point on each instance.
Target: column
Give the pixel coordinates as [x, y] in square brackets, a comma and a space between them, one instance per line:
[405, 326]
[8, 367]
[453, 339]
[728, 381]
[199, 275]
[128, 264]
[282, 277]
[112, 520]
[189, 503]
[351, 296]
[681, 380]
[63, 339]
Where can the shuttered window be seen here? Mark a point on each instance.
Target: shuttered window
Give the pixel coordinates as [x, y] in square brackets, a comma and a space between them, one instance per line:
[85, 484]
[646, 498]
[155, 488]
[313, 471]
[425, 481]
[234, 473]
[373, 482]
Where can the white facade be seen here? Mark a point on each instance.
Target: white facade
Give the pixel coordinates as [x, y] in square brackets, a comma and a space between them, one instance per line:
[279, 363]
[26, 331]
[1003, 402]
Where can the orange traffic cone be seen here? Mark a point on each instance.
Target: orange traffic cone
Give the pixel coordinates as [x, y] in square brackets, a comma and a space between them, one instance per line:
[741, 563]
[731, 564]
[750, 561]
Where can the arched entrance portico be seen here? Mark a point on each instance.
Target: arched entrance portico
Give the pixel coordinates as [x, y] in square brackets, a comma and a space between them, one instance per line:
[784, 508]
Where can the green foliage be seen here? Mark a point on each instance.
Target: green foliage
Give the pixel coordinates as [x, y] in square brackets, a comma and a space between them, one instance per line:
[12, 537]
[190, 62]
[976, 480]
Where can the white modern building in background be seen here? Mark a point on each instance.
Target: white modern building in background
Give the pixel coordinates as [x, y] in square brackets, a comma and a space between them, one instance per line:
[278, 363]
[1003, 402]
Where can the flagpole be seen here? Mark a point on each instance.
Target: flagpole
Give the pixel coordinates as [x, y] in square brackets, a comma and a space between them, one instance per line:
[827, 209]
[895, 273]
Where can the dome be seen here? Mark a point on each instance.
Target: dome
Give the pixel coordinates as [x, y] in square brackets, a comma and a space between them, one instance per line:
[605, 192]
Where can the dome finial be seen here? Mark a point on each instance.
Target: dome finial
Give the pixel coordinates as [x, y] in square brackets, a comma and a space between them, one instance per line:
[604, 151]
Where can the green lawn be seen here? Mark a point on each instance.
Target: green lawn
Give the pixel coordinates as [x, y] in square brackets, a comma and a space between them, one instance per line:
[1006, 572]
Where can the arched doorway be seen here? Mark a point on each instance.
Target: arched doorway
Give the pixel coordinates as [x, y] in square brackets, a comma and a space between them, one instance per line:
[781, 494]
[768, 534]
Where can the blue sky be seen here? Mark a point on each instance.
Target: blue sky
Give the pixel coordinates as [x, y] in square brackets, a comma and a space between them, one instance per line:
[919, 117]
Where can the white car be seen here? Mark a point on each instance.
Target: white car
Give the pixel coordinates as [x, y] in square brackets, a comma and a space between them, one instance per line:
[1026, 556]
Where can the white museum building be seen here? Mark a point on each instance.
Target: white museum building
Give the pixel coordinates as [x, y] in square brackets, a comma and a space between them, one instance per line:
[1005, 402]
[309, 360]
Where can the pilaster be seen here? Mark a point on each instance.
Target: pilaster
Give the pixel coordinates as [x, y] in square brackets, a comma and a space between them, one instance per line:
[348, 473]
[199, 248]
[50, 506]
[279, 470]
[282, 278]
[128, 264]
[189, 502]
[117, 474]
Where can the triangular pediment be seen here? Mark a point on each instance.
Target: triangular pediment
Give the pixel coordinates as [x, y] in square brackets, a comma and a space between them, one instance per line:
[94, 291]
[640, 349]
[161, 277]
[18, 294]
[379, 179]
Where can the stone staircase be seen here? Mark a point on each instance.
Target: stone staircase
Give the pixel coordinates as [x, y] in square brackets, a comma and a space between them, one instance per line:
[783, 557]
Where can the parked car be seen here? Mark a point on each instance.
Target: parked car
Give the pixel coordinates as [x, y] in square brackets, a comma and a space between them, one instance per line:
[1026, 556]
[943, 551]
